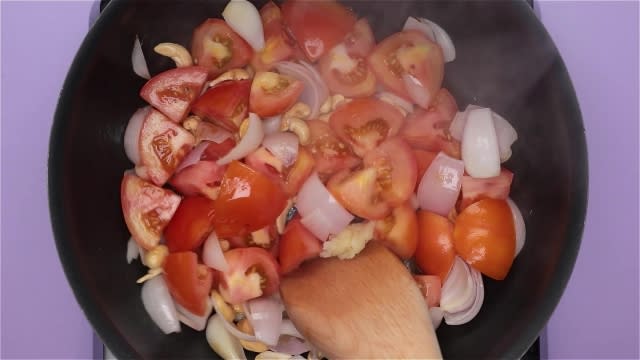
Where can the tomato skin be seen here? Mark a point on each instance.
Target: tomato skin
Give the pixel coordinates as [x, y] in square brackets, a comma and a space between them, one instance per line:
[330, 154]
[430, 287]
[360, 41]
[214, 35]
[253, 272]
[299, 172]
[189, 282]
[248, 201]
[317, 26]
[428, 130]
[358, 193]
[172, 92]
[226, 104]
[435, 252]
[359, 82]
[474, 189]
[484, 236]
[399, 231]
[273, 93]
[365, 123]
[297, 245]
[215, 151]
[191, 224]
[201, 178]
[277, 45]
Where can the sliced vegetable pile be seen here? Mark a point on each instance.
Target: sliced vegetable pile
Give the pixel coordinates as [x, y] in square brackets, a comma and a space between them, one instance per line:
[288, 134]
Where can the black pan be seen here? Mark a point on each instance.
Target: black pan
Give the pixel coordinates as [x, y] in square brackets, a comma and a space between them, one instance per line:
[505, 60]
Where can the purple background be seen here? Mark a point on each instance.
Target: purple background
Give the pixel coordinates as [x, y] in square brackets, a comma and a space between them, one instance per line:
[597, 316]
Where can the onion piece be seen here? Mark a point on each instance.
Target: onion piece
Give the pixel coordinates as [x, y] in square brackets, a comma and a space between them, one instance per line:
[283, 145]
[458, 291]
[132, 134]
[315, 90]
[138, 62]
[440, 185]
[460, 120]
[193, 156]
[243, 17]
[133, 251]
[418, 24]
[436, 314]
[395, 100]
[221, 341]
[249, 142]
[291, 345]
[417, 91]
[480, 151]
[518, 221]
[287, 328]
[231, 328]
[208, 132]
[468, 314]
[192, 320]
[506, 134]
[159, 305]
[435, 33]
[265, 316]
[212, 254]
[271, 124]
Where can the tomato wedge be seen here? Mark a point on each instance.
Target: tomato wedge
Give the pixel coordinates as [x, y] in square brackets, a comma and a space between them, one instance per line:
[484, 236]
[173, 91]
[329, 153]
[435, 251]
[347, 74]
[297, 245]
[147, 209]
[201, 178]
[218, 48]
[358, 193]
[360, 41]
[299, 172]
[474, 189]
[277, 46]
[226, 104]
[191, 224]
[253, 272]
[189, 282]
[431, 287]
[248, 201]
[273, 93]
[365, 123]
[317, 26]
[399, 231]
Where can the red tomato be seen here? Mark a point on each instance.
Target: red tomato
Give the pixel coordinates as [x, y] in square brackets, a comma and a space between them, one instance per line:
[484, 236]
[423, 160]
[173, 91]
[263, 161]
[408, 52]
[189, 282]
[163, 145]
[395, 165]
[248, 201]
[360, 40]
[253, 272]
[317, 26]
[329, 153]
[190, 225]
[474, 189]
[215, 151]
[299, 172]
[399, 231]
[347, 74]
[277, 46]
[201, 178]
[297, 245]
[225, 104]
[218, 48]
[358, 193]
[435, 252]
[147, 209]
[272, 93]
[365, 123]
[430, 286]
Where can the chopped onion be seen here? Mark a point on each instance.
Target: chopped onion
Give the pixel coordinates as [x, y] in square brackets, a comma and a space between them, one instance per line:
[212, 254]
[458, 291]
[506, 134]
[265, 316]
[271, 124]
[249, 142]
[159, 305]
[417, 24]
[434, 32]
[193, 156]
[231, 328]
[395, 100]
[132, 134]
[518, 221]
[436, 314]
[464, 316]
[291, 345]
[133, 251]
[196, 322]
[287, 328]
[417, 91]
[440, 185]
[459, 121]
[221, 340]
[480, 151]
[283, 145]
[315, 90]
[209, 132]
[138, 62]
[243, 17]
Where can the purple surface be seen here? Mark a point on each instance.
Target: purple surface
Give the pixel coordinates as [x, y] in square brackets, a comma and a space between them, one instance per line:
[596, 318]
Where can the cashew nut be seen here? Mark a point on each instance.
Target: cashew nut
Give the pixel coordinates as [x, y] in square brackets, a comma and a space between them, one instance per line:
[337, 100]
[233, 74]
[326, 106]
[297, 126]
[282, 218]
[298, 110]
[272, 355]
[176, 52]
[155, 257]
[191, 123]
[225, 310]
[256, 346]
[261, 237]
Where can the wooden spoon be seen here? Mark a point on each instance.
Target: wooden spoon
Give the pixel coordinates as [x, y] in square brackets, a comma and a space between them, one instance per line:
[368, 307]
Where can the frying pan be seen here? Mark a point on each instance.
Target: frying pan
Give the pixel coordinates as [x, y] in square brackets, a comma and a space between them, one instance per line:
[505, 60]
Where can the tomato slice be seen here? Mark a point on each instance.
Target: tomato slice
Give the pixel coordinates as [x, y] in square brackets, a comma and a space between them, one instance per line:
[347, 74]
[273, 93]
[365, 123]
[484, 236]
[423, 160]
[431, 287]
[277, 45]
[396, 169]
[201, 178]
[329, 153]
[189, 282]
[163, 144]
[263, 161]
[297, 245]
[253, 272]
[435, 251]
[299, 172]
[248, 201]
[191, 224]
[399, 231]
[474, 189]
[358, 193]
[218, 48]
[360, 40]
[317, 26]
[408, 52]
[217, 150]
[226, 104]
[173, 91]
[147, 209]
